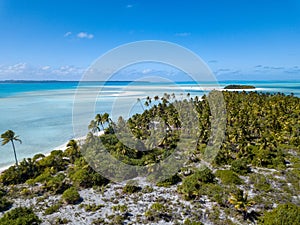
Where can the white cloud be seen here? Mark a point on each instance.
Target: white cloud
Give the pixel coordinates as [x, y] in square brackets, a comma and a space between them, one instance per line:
[45, 67]
[23, 71]
[85, 35]
[183, 34]
[145, 71]
[67, 34]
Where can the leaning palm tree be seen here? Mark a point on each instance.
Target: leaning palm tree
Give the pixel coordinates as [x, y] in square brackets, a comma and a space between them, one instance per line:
[9, 136]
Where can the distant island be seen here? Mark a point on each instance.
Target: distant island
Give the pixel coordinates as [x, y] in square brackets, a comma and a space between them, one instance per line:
[238, 86]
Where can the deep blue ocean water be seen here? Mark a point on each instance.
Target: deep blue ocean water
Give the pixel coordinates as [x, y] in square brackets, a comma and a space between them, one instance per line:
[41, 112]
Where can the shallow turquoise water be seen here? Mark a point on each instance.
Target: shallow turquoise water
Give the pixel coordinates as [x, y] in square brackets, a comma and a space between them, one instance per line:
[41, 112]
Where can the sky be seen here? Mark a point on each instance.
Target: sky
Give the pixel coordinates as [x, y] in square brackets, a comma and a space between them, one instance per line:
[237, 39]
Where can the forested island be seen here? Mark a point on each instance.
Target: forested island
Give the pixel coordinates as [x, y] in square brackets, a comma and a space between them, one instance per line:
[238, 86]
[254, 177]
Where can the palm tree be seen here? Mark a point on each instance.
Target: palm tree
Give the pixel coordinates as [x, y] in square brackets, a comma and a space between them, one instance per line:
[93, 126]
[139, 100]
[72, 150]
[99, 119]
[9, 136]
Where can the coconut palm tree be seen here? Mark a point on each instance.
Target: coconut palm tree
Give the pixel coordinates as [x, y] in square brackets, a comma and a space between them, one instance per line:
[93, 126]
[9, 136]
[99, 119]
[72, 150]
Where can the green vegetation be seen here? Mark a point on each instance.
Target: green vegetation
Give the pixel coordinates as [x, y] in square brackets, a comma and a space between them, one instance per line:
[130, 188]
[4, 204]
[240, 166]
[228, 177]
[158, 211]
[71, 196]
[52, 209]
[175, 179]
[20, 216]
[121, 208]
[260, 154]
[241, 202]
[284, 214]
[91, 207]
[84, 176]
[189, 222]
[236, 86]
[191, 185]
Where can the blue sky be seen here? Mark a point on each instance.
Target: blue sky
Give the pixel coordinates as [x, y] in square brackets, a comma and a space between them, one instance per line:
[238, 39]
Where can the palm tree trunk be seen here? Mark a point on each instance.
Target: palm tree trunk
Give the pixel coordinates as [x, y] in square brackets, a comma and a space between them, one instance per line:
[12, 142]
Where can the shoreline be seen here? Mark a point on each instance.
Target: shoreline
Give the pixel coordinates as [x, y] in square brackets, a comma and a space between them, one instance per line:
[61, 147]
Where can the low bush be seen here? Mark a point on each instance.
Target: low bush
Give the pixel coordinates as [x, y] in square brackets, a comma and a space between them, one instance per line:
[91, 207]
[284, 214]
[170, 181]
[228, 177]
[190, 222]
[56, 184]
[158, 211]
[4, 204]
[20, 216]
[240, 166]
[260, 182]
[192, 184]
[52, 209]
[131, 188]
[71, 196]
[55, 161]
[27, 169]
[86, 177]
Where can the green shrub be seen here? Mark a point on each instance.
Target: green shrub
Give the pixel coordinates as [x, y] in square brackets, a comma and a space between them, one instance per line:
[37, 157]
[91, 207]
[260, 182]
[20, 216]
[121, 208]
[56, 184]
[170, 181]
[228, 177]
[204, 175]
[27, 169]
[59, 221]
[98, 221]
[131, 188]
[158, 211]
[52, 209]
[4, 204]
[215, 192]
[71, 196]
[284, 214]
[45, 176]
[86, 177]
[240, 166]
[192, 184]
[55, 161]
[190, 222]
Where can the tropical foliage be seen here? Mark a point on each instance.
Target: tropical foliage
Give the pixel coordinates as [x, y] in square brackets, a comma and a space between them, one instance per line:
[284, 214]
[20, 216]
[261, 146]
